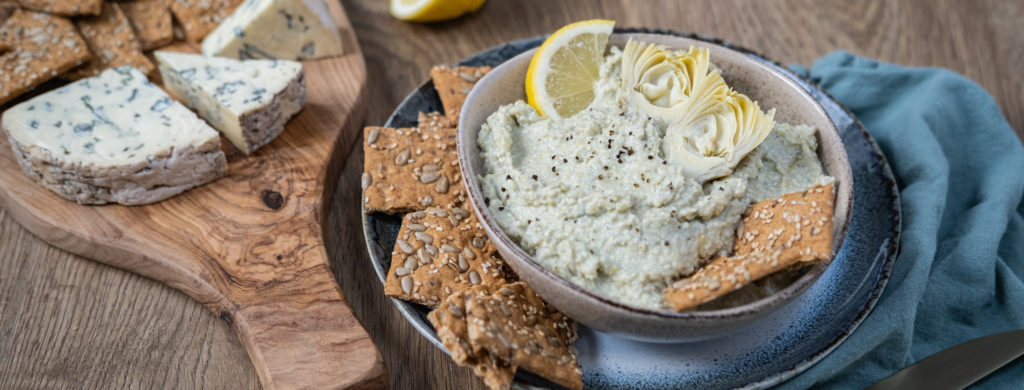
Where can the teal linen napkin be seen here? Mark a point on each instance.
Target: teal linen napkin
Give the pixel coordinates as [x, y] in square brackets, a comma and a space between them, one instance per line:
[960, 170]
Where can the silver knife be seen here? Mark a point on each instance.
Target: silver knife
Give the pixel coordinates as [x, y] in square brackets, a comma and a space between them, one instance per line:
[959, 366]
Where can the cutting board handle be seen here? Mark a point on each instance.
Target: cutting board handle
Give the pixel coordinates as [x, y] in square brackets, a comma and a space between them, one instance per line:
[300, 332]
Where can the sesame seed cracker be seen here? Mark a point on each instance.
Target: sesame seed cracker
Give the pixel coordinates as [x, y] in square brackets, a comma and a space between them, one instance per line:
[112, 42]
[516, 326]
[200, 17]
[151, 20]
[42, 46]
[63, 7]
[777, 234]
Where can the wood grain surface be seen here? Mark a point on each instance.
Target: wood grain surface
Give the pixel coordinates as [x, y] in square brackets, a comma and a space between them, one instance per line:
[69, 322]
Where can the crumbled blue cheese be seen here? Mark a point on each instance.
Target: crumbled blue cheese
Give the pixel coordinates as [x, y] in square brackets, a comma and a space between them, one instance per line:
[282, 29]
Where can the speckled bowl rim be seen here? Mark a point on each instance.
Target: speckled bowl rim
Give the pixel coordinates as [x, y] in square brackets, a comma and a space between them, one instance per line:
[759, 307]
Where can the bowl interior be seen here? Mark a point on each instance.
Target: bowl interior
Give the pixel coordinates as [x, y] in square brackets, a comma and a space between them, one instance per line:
[769, 87]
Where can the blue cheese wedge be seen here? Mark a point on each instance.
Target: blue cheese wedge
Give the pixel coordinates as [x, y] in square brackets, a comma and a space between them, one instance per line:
[248, 101]
[113, 138]
[281, 29]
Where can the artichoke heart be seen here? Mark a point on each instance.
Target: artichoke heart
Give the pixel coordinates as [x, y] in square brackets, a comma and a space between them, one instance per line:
[661, 83]
[712, 138]
[709, 126]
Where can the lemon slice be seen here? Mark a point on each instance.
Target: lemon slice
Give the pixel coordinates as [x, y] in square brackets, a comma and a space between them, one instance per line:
[432, 10]
[560, 80]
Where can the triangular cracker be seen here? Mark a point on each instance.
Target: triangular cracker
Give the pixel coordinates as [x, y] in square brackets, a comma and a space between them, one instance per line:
[776, 234]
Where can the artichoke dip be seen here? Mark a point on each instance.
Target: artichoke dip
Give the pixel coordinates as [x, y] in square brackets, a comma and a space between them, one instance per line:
[648, 182]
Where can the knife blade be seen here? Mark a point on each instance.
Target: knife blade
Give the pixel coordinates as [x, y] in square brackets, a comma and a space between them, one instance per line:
[958, 366]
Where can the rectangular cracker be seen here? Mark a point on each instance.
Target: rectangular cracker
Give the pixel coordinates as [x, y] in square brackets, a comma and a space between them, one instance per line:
[43, 46]
[449, 319]
[439, 252]
[412, 168]
[64, 7]
[151, 20]
[775, 235]
[453, 84]
[112, 41]
[515, 325]
[199, 17]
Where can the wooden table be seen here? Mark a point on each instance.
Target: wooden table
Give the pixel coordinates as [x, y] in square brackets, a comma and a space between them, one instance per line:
[66, 321]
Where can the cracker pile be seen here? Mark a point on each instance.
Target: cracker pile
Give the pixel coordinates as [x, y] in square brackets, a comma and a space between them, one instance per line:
[41, 40]
[443, 259]
[776, 234]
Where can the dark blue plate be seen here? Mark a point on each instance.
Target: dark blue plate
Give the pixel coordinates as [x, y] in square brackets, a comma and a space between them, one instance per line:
[768, 352]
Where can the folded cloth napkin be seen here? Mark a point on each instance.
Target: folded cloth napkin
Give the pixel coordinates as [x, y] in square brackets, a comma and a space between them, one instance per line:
[960, 170]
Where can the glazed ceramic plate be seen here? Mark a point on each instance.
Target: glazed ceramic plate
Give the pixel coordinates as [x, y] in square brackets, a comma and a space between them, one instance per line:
[767, 352]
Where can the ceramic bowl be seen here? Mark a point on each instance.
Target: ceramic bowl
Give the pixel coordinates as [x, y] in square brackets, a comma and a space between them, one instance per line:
[769, 87]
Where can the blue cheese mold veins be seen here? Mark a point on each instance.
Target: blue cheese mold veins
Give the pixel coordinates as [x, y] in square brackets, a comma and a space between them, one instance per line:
[114, 137]
[249, 101]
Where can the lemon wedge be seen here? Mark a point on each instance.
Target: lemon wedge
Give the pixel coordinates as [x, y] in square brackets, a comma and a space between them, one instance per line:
[561, 76]
[432, 10]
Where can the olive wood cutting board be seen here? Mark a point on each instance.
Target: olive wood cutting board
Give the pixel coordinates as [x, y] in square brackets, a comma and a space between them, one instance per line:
[248, 246]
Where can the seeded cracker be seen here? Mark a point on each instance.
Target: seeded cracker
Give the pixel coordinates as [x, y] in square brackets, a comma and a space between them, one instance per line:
[439, 252]
[199, 17]
[515, 325]
[151, 20]
[64, 7]
[776, 235]
[449, 319]
[43, 46]
[453, 84]
[6, 10]
[112, 41]
[412, 168]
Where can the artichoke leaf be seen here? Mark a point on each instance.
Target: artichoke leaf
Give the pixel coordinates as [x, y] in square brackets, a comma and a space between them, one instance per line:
[654, 81]
[709, 127]
[752, 125]
[715, 135]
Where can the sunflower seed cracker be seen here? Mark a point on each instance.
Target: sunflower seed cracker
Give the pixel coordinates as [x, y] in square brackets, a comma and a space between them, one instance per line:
[112, 42]
[63, 7]
[151, 20]
[516, 326]
[441, 267]
[449, 319]
[412, 168]
[453, 84]
[42, 46]
[776, 234]
[200, 17]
